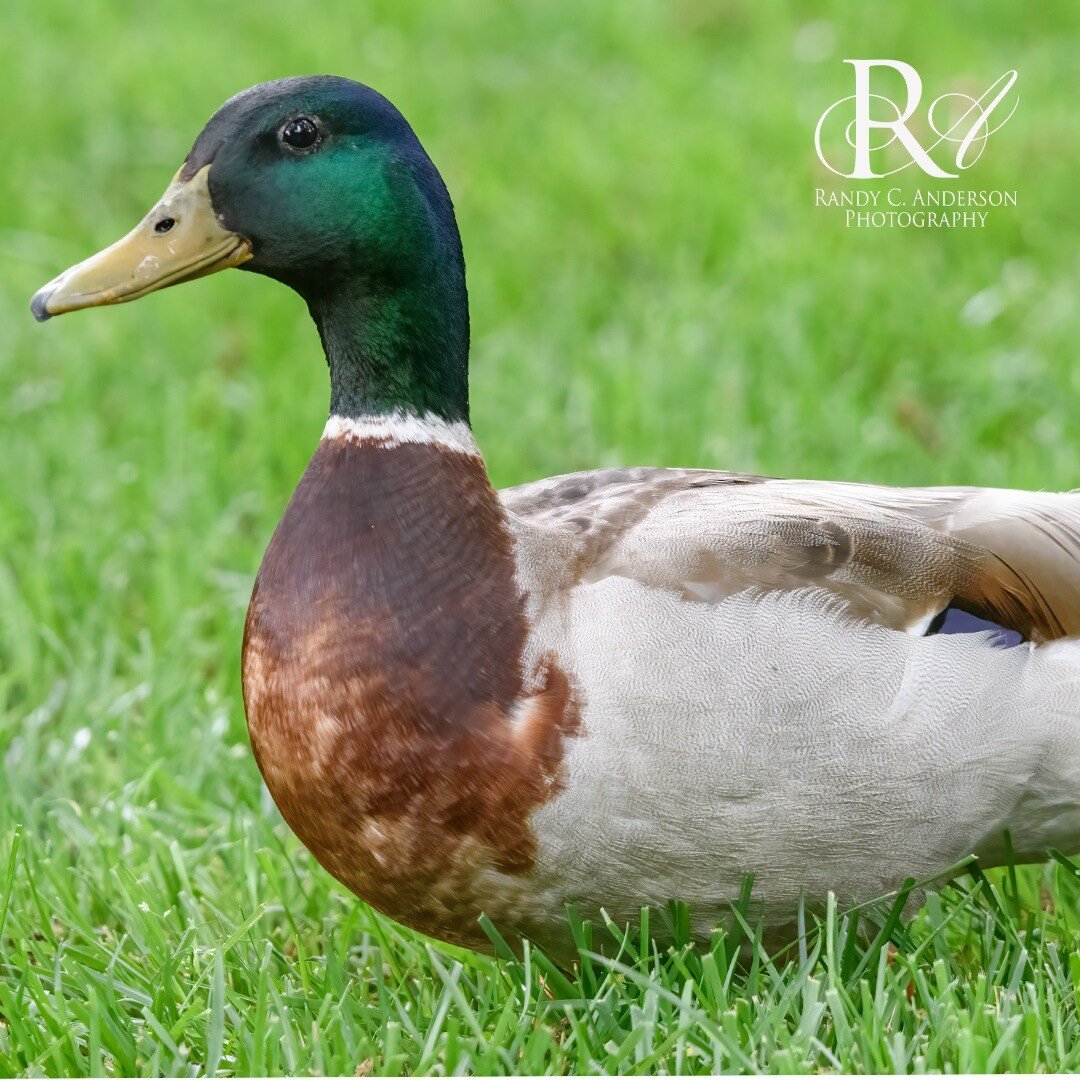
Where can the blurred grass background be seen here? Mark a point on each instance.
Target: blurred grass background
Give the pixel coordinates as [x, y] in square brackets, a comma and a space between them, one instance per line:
[650, 284]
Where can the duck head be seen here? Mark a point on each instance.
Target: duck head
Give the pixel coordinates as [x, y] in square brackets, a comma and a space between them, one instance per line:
[319, 183]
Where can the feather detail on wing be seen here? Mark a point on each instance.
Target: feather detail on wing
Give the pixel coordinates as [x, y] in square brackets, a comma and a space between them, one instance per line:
[894, 556]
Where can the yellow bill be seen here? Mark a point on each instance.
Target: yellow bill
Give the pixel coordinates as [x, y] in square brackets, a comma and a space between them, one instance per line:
[178, 240]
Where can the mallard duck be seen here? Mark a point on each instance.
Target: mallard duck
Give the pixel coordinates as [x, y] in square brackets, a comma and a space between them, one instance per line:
[614, 688]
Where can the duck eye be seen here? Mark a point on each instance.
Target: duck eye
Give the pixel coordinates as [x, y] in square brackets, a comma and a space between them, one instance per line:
[300, 133]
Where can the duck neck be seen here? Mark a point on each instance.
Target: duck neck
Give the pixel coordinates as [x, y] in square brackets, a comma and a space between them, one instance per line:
[401, 348]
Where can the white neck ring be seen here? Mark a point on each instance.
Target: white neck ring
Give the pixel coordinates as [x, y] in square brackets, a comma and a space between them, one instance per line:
[398, 428]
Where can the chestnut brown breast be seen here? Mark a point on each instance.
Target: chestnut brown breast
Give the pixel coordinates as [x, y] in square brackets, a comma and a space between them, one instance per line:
[382, 660]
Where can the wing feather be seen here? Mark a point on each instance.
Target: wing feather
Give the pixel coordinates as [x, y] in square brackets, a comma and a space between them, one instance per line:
[892, 555]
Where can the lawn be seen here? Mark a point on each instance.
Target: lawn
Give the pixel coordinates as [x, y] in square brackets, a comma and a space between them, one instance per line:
[650, 284]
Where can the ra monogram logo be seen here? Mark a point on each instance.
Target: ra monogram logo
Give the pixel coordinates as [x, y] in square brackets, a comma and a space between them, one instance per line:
[868, 122]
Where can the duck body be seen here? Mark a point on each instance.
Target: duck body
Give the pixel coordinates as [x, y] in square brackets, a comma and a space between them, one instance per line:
[611, 689]
[465, 703]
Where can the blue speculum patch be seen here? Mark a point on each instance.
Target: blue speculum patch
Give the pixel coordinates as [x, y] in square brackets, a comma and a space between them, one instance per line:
[954, 621]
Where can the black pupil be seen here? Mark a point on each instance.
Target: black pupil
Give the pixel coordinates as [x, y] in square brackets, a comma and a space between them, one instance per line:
[300, 133]
[164, 225]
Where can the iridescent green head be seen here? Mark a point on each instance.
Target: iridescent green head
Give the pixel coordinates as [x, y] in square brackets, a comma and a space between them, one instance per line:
[320, 183]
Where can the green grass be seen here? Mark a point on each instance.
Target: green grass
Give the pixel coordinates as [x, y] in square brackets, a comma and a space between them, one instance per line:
[650, 284]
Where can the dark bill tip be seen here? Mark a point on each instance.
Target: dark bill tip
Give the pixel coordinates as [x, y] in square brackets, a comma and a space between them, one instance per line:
[39, 304]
